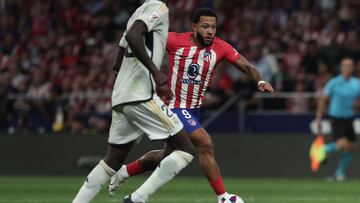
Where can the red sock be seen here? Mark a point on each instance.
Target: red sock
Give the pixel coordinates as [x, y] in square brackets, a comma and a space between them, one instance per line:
[134, 168]
[217, 185]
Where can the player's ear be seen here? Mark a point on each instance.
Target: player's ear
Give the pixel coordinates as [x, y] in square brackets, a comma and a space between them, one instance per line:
[194, 25]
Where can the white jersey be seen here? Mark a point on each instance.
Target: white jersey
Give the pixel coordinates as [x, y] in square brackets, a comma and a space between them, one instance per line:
[134, 82]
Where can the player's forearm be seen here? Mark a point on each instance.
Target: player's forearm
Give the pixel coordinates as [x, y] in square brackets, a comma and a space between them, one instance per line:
[118, 59]
[253, 73]
[243, 65]
[320, 108]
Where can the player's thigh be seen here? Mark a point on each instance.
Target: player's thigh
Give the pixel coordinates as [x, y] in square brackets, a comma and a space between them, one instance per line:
[122, 130]
[343, 129]
[154, 118]
[181, 141]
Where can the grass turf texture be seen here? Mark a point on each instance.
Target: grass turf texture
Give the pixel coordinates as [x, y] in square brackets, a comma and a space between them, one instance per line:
[184, 189]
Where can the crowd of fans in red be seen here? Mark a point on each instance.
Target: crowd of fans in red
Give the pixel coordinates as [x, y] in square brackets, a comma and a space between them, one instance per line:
[56, 56]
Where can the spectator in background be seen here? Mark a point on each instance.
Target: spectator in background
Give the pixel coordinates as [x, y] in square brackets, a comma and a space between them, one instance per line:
[298, 103]
[4, 102]
[261, 63]
[311, 60]
[73, 39]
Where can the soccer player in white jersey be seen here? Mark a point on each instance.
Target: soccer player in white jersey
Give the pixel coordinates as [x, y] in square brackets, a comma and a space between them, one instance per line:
[193, 57]
[137, 108]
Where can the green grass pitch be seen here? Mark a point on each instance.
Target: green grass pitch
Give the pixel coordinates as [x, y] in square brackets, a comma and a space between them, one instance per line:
[27, 189]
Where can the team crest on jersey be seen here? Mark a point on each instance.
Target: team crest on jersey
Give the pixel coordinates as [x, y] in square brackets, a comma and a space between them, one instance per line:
[192, 122]
[193, 70]
[207, 56]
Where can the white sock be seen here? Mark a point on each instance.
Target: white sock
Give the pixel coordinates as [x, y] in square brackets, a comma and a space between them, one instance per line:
[122, 172]
[94, 182]
[168, 168]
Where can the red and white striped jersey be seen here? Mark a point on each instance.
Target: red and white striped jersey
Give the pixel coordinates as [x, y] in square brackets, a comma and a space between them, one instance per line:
[192, 68]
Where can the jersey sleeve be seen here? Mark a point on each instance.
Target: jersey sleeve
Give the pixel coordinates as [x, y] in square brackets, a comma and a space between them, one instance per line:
[153, 15]
[123, 43]
[329, 87]
[230, 54]
[358, 81]
[170, 41]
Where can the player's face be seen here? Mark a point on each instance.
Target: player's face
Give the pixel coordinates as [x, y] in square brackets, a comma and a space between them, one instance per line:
[347, 66]
[205, 30]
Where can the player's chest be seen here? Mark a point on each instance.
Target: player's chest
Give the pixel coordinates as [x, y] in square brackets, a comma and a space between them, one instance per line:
[196, 55]
[346, 90]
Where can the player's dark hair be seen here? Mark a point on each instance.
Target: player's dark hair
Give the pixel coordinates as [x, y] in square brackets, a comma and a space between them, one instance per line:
[203, 12]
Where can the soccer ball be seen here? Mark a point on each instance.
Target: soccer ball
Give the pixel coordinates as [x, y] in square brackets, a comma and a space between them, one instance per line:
[231, 199]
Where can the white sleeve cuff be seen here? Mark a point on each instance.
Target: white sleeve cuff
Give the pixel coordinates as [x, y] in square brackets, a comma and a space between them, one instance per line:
[261, 82]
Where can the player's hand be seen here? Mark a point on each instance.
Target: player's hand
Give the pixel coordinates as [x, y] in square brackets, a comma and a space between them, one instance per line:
[266, 87]
[162, 89]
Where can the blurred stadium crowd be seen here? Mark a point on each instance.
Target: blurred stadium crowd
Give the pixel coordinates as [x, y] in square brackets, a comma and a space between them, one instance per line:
[56, 55]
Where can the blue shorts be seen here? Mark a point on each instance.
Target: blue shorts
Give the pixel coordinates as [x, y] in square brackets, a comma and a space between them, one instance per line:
[190, 118]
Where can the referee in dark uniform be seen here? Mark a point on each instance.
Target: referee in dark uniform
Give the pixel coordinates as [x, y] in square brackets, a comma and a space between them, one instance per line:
[341, 92]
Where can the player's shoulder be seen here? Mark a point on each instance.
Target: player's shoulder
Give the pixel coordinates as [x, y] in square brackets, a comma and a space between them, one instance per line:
[221, 44]
[154, 3]
[157, 7]
[355, 80]
[177, 40]
[222, 47]
[335, 80]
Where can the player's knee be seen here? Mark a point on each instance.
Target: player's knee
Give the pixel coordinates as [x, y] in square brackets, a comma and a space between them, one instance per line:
[343, 144]
[206, 147]
[151, 159]
[352, 147]
[113, 163]
[190, 149]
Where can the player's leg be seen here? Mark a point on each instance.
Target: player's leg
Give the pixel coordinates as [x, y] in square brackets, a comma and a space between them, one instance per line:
[160, 123]
[102, 173]
[345, 143]
[121, 137]
[148, 162]
[338, 133]
[203, 143]
[348, 147]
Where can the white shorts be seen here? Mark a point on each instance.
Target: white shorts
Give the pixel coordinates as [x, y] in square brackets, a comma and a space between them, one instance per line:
[153, 117]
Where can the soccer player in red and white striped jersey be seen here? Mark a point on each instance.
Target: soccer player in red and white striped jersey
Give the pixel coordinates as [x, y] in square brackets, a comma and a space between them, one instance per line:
[192, 64]
[193, 57]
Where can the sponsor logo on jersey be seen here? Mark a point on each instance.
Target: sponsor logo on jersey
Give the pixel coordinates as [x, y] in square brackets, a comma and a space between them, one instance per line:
[153, 17]
[191, 82]
[193, 70]
[192, 73]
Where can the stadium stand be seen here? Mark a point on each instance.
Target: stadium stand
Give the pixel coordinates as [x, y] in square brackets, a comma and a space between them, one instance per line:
[56, 55]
